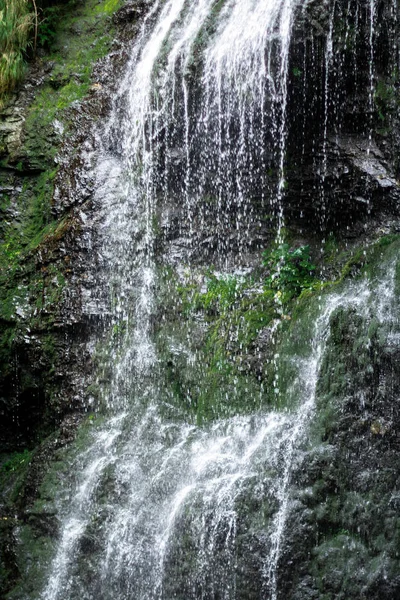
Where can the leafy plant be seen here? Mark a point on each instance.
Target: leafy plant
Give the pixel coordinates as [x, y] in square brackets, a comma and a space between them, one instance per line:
[48, 26]
[291, 270]
[220, 295]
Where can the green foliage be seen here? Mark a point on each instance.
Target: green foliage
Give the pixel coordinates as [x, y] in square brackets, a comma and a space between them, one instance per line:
[48, 26]
[220, 295]
[16, 23]
[17, 461]
[384, 96]
[25, 25]
[291, 270]
[107, 6]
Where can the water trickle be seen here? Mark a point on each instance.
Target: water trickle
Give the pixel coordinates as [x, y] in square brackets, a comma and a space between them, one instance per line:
[306, 390]
[327, 100]
[372, 11]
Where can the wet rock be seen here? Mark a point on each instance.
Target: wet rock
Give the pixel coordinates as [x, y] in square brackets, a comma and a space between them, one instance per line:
[11, 131]
[130, 12]
[368, 159]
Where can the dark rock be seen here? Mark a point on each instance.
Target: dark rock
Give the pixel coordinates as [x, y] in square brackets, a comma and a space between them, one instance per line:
[131, 11]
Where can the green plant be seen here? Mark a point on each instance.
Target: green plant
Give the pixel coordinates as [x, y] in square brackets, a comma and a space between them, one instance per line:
[16, 23]
[48, 26]
[384, 98]
[17, 460]
[221, 291]
[291, 270]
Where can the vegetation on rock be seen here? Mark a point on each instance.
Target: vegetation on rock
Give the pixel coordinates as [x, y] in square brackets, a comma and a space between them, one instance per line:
[291, 269]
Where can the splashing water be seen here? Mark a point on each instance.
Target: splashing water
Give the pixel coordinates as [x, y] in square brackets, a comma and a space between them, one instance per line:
[161, 489]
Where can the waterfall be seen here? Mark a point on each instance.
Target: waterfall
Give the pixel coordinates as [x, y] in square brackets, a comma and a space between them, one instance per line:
[149, 491]
[155, 511]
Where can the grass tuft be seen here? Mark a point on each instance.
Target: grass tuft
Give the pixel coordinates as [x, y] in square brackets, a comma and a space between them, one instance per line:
[16, 26]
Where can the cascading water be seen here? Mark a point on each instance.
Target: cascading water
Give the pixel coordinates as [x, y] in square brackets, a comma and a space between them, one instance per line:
[157, 508]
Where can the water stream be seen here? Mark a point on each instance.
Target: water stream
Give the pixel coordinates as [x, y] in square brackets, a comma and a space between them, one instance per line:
[156, 510]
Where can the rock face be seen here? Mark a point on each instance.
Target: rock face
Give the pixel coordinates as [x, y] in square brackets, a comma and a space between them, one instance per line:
[342, 117]
[343, 527]
[47, 261]
[41, 264]
[47, 258]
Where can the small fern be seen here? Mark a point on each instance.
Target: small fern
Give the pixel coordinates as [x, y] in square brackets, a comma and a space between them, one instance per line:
[290, 269]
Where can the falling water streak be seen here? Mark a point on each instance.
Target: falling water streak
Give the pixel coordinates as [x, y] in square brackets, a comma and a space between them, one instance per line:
[303, 417]
[138, 278]
[80, 511]
[304, 99]
[134, 146]
[286, 23]
[348, 26]
[241, 42]
[372, 10]
[187, 176]
[140, 88]
[220, 176]
[143, 121]
[338, 51]
[244, 132]
[396, 46]
[181, 53]
[126, 81]
[285, 26]
[356, 27]
[328, 62]
[201, 478]
[343, 44]
[385, 296]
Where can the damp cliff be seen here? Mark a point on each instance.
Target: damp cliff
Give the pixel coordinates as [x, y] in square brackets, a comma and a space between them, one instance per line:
[199, 303]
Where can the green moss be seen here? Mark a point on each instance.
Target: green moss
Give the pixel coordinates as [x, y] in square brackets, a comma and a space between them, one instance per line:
[225, 375]
[107, 6]
[34, 551]
[31, 290]
[385, 99]
[360, 260]
[17, 462]
[83, 34]
[21, 237]
[210, 365]
[13, 471]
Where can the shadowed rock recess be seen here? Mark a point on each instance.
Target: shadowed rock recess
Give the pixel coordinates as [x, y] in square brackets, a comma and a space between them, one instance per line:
[200, 290]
